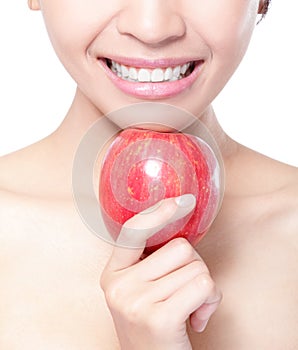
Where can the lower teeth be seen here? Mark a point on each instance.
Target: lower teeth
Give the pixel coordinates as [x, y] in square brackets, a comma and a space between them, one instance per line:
[137, 81]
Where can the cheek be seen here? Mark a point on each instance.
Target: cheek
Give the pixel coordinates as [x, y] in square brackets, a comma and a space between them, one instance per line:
[227, 31]
[230, 26]
[72, 25]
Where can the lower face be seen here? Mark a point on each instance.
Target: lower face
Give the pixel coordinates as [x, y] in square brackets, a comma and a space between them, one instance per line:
[177, 52]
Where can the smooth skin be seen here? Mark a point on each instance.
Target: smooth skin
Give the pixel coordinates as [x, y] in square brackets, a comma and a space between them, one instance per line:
[64, 288]
[143, 295]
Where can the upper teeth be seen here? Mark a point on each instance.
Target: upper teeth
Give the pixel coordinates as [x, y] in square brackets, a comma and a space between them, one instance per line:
[149, 75]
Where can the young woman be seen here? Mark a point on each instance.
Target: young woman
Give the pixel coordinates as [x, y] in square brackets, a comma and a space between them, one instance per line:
[63, 287]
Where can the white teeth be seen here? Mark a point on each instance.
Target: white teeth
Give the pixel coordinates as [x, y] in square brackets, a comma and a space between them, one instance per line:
[184, 68]
[118, 67]
[124, 71]
[144, 75]
[168, 74]
[177, 71]
[133, 74]
[157, 75]
[148, 75]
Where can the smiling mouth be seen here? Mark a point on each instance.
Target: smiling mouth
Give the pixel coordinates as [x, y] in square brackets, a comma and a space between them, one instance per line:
[147, 75]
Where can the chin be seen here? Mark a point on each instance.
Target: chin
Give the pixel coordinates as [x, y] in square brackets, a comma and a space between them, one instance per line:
[155, 116]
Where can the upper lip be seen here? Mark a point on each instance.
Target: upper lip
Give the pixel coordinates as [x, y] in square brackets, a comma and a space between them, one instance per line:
[152, 63]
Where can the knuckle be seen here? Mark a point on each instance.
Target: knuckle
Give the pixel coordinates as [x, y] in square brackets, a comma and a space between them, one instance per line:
[183, 249]
[103, 281]
[134, 309]
[199, 266]
[207, 283]
[131, 302]
[114, 293]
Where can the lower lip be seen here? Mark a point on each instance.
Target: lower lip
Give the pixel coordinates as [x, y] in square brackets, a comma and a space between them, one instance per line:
[153, 91]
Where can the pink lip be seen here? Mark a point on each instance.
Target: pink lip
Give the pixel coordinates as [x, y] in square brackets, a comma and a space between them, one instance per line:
[153, 91]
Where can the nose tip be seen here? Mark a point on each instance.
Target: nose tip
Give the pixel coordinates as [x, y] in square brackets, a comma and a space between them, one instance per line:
[152, 22]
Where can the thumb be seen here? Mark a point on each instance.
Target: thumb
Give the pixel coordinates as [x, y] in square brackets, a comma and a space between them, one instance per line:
[142, 226]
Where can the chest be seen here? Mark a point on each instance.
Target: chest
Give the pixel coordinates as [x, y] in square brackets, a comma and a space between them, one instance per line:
[255, 266]
[50, 265]
[50, 295]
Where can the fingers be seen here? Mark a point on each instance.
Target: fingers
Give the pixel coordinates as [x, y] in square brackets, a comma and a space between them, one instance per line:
[172, 256]
[200, 298]
[199, 319]
[157, 295]
[166, 286]
[142, 226]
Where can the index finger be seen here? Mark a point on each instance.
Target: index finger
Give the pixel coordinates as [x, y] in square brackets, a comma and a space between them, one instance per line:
[135, 232]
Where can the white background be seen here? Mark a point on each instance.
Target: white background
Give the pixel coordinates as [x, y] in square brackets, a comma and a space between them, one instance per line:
[258, 107]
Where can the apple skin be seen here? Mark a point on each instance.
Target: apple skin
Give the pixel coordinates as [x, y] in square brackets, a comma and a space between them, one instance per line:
[142, 167]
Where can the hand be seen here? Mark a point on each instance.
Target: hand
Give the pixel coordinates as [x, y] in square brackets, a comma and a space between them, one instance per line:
[150, 300]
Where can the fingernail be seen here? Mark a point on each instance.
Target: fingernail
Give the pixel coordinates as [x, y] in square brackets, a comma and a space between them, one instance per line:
[202, 326]
[186, 200]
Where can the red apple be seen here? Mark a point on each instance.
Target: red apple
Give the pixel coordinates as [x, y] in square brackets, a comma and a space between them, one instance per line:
[141, 167]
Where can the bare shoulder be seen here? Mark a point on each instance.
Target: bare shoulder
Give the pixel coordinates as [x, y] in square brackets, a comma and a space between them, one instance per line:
[275, 192]
[252, 255]
[292, 190]
[21, 167]
[39, 169]
[285, 203]
[13, 177]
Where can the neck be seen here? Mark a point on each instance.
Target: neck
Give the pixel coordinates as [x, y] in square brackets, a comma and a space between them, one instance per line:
[227, 146]
[82, 114]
